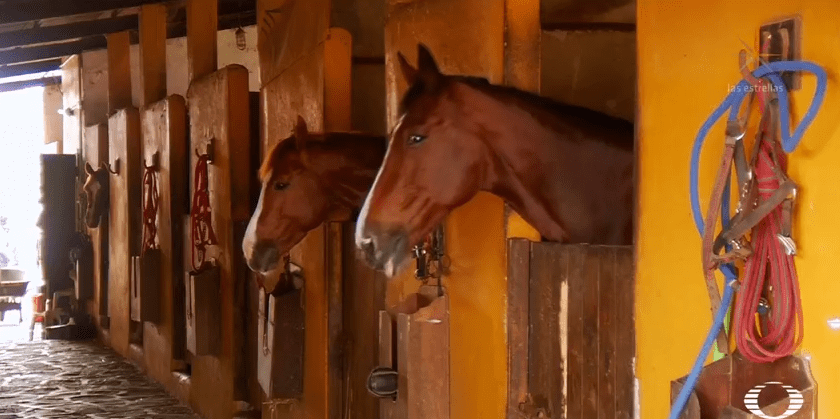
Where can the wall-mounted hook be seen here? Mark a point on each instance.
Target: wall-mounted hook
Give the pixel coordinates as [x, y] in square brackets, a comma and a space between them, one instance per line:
[154, 162]
[113, 169]
[209, 149]
[785, 42]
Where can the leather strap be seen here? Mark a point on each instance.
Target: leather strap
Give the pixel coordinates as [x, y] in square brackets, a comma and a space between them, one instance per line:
[709, 265]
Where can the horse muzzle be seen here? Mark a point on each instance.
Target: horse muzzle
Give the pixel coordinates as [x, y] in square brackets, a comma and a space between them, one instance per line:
[262, 257]
[384, 251]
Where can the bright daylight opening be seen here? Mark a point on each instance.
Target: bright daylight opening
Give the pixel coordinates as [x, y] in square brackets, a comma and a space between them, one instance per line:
[21, 143]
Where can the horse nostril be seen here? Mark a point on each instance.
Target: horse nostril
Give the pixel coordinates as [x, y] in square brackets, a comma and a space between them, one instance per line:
[264, 257]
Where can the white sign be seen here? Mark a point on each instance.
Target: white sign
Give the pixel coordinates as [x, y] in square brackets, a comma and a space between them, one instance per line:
[795, 400]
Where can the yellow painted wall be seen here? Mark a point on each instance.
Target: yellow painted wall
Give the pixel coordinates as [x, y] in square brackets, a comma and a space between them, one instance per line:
[687, 57]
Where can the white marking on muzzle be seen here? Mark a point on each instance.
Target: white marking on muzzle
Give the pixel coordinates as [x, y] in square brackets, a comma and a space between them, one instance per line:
[250, 238]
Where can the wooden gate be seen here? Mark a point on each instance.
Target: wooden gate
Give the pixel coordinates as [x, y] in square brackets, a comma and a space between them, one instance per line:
[570, 330]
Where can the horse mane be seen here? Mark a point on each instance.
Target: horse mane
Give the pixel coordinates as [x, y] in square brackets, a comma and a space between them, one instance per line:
[287, 145]
[557, 108]
[278, 151]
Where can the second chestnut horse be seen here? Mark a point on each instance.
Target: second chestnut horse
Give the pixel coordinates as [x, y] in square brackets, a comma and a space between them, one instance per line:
[306, 180]
[567, 170]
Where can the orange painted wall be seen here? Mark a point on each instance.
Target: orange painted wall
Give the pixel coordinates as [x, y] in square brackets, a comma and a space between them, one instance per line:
[688, 58]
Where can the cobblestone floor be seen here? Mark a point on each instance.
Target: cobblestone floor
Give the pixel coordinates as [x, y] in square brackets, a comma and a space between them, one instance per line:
[60, 379]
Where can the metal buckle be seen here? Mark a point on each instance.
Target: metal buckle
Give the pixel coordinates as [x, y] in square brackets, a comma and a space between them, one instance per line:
[788, 243]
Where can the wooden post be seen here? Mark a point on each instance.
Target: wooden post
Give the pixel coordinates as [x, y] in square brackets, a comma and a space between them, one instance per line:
[522, 70]
[202, 25]
[71, 89]
[152, 23]
[119, 72]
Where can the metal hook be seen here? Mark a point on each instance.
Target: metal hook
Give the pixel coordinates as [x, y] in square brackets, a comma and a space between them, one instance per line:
[155, 161]
[745, 71]
[208, 151]
[115, 169]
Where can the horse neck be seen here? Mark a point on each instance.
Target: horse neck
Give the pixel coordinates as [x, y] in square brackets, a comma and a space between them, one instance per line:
[359, 158]
[532, 160]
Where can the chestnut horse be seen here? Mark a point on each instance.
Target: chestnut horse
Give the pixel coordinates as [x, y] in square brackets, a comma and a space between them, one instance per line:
[307, 179]
[567, 170]
[97, 189]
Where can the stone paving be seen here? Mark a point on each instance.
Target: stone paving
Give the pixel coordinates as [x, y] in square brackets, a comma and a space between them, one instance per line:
[61, 379]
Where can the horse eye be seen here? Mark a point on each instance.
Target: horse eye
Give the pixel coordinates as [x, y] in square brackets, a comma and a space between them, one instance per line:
[415, 139]
[279, 186]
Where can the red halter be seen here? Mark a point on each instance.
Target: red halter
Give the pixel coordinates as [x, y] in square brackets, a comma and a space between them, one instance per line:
[150, 208]
[200, 215]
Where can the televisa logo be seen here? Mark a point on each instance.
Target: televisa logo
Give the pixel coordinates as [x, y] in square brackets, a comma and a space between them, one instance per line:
[794, 396]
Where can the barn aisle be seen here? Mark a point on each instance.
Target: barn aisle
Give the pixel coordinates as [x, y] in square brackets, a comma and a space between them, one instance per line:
[66, 379]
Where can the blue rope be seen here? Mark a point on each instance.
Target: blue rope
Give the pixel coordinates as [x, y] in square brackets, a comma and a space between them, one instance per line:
[732, 103]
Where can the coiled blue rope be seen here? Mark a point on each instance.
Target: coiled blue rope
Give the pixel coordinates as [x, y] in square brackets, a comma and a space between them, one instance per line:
[732, 103]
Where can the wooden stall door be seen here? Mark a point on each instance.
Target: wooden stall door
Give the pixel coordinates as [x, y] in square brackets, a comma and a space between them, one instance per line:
[219, 122]
[571, 330]
[164, 135]
[124, 220]
[364, 298]
[306, 70]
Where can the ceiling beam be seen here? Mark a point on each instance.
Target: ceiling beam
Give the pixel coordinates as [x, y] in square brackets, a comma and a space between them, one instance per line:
[26, 10]
[30, 68]
[30, 14]
[76, 30]
[77, 45]
[20, 55]
[23, 84]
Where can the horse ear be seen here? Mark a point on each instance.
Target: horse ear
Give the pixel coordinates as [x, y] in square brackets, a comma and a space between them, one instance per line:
[88, 168]
[427, 68]
[301, 133]
[409, 73]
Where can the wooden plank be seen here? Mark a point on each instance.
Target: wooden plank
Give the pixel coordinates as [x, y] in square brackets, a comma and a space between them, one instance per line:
[95, 87]
[363, 300]
[545, 368]
[576, 352]
[626, 335]
[48, 34]
[152, 28]
[164, 132]
[280, 349]
[44, 52]
[519, 277]
[219, 118]
[202, 25]
[338, 50]
[289, 30]
[53, 121]
[22, 12]
[71, 88]
[607, 331]
[590, 328]
[34, 67]
[335, 322]
[427, 366]
[119, 71]
[387, 407]
[124, 219]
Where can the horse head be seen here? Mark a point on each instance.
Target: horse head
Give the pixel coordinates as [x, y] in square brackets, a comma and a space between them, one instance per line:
[97, 191]
[435, 163]
[306, 179]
